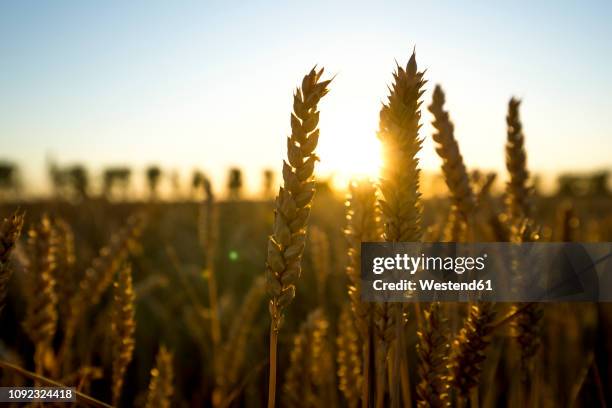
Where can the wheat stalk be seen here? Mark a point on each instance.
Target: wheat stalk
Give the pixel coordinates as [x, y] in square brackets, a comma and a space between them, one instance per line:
[208, 234]
[122, 328]
[40, 321]
[10, 230]
[161, 389]
[292, 208]
[399, 184]
[522, 228]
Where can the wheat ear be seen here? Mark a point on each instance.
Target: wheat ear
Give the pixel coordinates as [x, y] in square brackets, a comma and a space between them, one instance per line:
[363, 225]
[234, 349]
[522, 229]
[208, 234]
[99, 276]
[517, 190]
[10, 230]
[453, 168]
[399, 184]
[350, 376]
[123, 327]
[161, 389]
[526, 326]
[320, 256]
[292, 208]
[469, 348]
[433, 348]
[40, 321]
[310, 370]
[65, 260]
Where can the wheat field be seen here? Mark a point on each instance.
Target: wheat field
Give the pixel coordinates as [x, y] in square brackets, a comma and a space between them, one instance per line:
[227, 303]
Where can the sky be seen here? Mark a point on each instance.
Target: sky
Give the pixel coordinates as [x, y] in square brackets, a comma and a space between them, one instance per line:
[189, 84]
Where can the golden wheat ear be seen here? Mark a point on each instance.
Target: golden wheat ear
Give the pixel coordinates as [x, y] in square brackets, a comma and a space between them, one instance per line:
[432, 349]
[292, 209]
[310, 373]
[518, 192]
[10, 230]
[469, 349]
[99, 276]
[400, 203]
[123, 327]
[453, 167]
[349, 358]
[40, 321]
[363, 225]
[161, 385]
[235, 349]
[399, 134]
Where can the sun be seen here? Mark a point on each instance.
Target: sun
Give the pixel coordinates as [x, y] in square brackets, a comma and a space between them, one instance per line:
[348, 151]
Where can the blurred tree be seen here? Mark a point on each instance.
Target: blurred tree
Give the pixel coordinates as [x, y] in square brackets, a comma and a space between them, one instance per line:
[591, 185]
[599, 184]
[235, 183]
[78, 179]
[175, 182]
[70, 182]
[268, 183]
[197, 180]
[153, 177]
[9, 180]
[116, 178]
[58, 177]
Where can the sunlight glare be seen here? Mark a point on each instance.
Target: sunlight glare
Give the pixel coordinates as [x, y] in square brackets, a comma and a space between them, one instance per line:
[348, 150]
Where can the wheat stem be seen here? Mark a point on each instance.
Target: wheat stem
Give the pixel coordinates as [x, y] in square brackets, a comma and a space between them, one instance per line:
[292, 208]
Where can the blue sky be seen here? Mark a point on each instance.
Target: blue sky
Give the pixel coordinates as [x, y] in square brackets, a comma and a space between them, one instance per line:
[209, 84]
